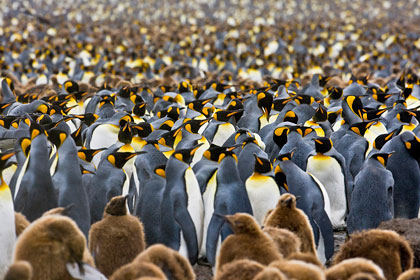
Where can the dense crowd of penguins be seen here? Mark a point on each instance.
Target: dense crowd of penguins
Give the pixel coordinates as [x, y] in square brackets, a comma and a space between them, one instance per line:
[139, 139]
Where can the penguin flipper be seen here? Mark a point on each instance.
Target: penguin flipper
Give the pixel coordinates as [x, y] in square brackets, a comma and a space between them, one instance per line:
[326, 229]
[213, 233]
[186, 223]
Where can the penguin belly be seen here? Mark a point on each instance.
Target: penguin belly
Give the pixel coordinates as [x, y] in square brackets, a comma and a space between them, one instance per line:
[263, 194]
[327, 170]
[7, 230]
[104, 136]
[223, 132]
[195, 206]
[208, 198]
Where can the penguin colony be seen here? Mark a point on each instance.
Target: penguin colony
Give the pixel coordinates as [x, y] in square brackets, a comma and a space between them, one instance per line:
[137, 141]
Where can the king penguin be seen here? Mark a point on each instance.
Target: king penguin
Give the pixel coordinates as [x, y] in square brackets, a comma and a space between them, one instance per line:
[328, 166]
[225, 194]
[182, 209]
[36, 192]
[262, 189]
[7, 217]
[109, 181]
[67, 179]
[406, 173]
[371, 199]
[313, 200]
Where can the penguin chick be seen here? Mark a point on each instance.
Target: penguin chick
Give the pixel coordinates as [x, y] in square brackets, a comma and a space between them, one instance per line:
[136, 270]
[172, 263]
[386, 248]
[239, 269]
[299, 270]
[117, 239]
[349, 267]
[48, 244]
[270, 273]
[410, 230]
[21, 270]
[21, 223]
[411, 274]
[247, 242]
[287, 242]
[306, 257]
[365, 276]
[87, 257]
[287, 216]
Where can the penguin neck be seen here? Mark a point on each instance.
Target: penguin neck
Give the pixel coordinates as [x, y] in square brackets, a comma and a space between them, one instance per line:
[321, 156]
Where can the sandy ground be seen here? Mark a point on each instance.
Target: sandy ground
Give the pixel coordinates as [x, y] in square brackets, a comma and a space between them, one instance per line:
[204, 272]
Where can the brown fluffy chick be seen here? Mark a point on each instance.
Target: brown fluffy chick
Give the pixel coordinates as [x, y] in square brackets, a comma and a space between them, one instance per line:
[48, 244]
[21, 223]
[21, 270]
[365, 276]
[172, 263]
[270, 273]
[135, 270]
[117, 239]
[287, 216]
[299, 270]
[349, 267]
[239, 269]
[411, 274]
[247, 242]
[306, 257]
[287, 242]
[386, 248]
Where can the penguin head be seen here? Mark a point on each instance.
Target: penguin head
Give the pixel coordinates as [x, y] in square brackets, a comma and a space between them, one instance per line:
[235, 104]
[335, 92]
[321, 114]
[287, 200]
[279, 175]
[184, 86]
[290, 116]
[405, 116]
[186, 155]
[242, 223]
[322, 144]
[214, 151]
[303, 130]
[355, 105]
[382, 157]
[360, 128]
[125, 134]
[118, 159]
[25, 145]
[139, 109]
[57, 136]
[248, 140]
[142, 129]
[193, 126]
[198, 105]
[304, 99]
[88, 154]
[381, 139]
[227, 153]
[70, 86]
[167, 125]
[265, 102]
[262, 165]
[413, 147]
[117, 206]
[225, 115]
[35, 128]
[280, 136]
